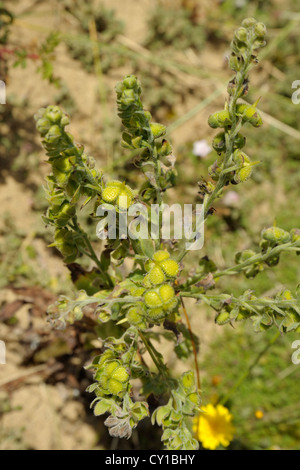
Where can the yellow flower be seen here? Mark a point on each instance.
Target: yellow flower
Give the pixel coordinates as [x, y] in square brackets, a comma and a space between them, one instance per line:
[259, 414]
[214, 427]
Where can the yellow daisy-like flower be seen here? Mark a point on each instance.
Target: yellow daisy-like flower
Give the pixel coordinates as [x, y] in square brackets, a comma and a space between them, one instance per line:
[214, 427]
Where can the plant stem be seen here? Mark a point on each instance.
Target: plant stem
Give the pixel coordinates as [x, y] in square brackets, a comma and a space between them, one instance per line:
[238, 268]
[91, 253]
[152, 353]
[193, 345]
[231, 131]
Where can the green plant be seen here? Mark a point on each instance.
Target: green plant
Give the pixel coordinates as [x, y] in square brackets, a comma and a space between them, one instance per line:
[152, 291]
[107, 28]
[178, 27]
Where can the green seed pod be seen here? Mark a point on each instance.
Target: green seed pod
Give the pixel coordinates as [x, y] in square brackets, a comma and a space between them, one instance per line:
[167, 294]
[110, 367]
[114, 387]
[194, 398]
[147, 282]
[215, 169]
[136, 291]
[161, 299]
[222, 318]
[286, 295]
[120, 374]
[118, 193]
[273, 261]
[165, 149]
[188, 380]
[219, 142]
[152, 299]
[170, 267]
[276, 235]
[106, 356]
[249, 114]
[161, 255]
[65, 213]
[65, 244]
[155, 314]
[243, 314]
[244, 256]
[136, 316]
[243, 174]
[62, 169]
[241, 158]
[148, 115]
[156, 275]
[239, 141]
[219, 119]
[136, 142]
[157, 129]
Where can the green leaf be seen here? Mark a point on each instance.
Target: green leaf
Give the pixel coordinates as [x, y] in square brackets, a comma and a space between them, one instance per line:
[102, 407]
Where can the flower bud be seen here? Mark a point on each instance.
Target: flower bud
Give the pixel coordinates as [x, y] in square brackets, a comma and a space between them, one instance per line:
[155, 314]
[43, 125]
[219, 142]
[54, 114]
[156, 275]
[152, 299]
[170, 267]
[243, 174]
[260, 30]
[276, 235]
[161, 255]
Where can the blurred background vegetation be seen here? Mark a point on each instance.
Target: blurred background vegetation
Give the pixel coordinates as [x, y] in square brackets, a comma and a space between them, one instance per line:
[72, 53]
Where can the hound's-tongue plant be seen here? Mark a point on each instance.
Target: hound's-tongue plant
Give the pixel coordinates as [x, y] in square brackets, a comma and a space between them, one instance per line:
[154, 290]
